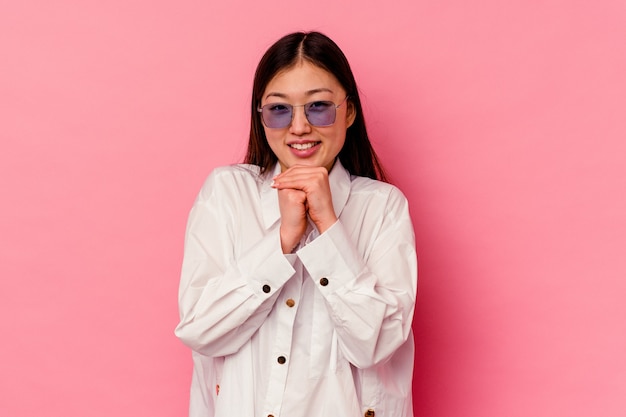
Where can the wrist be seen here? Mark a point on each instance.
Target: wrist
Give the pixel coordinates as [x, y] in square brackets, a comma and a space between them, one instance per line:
[288, 243]
[287, 249]
[322, 226]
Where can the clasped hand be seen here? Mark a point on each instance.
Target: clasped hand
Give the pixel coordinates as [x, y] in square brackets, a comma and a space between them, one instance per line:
[302, 191]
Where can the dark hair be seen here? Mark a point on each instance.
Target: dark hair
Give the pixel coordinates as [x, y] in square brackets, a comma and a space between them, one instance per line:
[357, 154]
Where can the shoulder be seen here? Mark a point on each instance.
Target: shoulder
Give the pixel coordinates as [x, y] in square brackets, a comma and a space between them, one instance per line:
[231, 179]
[378, 198]
[375, 189]
[235, 171]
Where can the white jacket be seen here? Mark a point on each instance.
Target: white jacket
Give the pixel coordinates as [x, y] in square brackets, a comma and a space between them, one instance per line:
[325, 331]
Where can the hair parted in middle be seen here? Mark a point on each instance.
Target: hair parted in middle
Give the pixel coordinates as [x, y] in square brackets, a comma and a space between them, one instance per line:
[357, 154]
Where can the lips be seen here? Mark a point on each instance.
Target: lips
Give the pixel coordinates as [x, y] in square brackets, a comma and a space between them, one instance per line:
[303, 146]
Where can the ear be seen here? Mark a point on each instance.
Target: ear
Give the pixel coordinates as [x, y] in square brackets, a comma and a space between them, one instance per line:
[350, 114]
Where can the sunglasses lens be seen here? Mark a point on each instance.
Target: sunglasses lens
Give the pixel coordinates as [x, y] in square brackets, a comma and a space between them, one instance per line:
[320, 113]
[277, 115]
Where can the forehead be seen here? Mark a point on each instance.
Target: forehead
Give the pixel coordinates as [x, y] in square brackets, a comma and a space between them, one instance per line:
[302, 79]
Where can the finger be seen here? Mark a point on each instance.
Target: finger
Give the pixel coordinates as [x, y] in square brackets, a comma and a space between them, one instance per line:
[301, 180]
[302, 170]
[292, 196]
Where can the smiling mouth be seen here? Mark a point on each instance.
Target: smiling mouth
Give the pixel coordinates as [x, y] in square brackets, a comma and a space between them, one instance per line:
[303, 146]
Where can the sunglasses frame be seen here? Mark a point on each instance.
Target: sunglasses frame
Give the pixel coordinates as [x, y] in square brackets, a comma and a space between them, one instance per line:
[291, 106]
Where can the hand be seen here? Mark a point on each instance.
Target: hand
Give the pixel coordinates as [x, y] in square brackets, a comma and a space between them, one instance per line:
[292, 204]
[313, 183]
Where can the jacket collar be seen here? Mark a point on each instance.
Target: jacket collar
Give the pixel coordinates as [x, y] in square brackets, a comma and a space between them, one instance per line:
[339, 179]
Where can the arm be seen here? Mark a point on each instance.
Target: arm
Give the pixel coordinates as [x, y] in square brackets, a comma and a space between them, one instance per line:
[222, 295]
[371, 301]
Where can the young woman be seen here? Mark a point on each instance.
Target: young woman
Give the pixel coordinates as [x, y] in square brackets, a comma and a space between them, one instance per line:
[299, 275]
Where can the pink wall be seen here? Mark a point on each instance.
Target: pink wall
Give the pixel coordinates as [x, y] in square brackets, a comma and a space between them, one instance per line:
[503, 122]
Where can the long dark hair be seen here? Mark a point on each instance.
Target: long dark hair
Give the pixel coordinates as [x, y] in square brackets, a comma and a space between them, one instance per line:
[357, 154]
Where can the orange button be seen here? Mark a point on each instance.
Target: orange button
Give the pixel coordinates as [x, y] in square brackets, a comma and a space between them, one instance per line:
[290, 302]
[370, 413]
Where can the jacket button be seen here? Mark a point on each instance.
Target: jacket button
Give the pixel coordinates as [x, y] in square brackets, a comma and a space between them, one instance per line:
[290, 302]
[324, 282]
[370, 413]
[282, 359]
[266, 288]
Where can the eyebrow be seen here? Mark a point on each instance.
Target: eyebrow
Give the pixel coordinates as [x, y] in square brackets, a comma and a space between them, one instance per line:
[307, 93]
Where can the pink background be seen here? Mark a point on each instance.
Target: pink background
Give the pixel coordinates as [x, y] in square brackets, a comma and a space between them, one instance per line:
[503, 122]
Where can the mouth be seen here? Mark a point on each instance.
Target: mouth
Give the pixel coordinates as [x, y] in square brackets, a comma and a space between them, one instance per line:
[303, 146]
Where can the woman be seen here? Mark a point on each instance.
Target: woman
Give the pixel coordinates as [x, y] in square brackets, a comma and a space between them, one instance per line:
[299, 275]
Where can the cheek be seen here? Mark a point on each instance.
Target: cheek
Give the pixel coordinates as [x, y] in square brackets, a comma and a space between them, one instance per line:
[339, 134]
[270, 135]
[274, 140]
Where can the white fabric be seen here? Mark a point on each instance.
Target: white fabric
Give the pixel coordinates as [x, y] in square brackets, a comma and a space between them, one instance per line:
[348, 345]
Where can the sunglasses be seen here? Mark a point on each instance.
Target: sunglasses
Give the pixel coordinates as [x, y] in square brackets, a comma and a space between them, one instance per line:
[318, 113]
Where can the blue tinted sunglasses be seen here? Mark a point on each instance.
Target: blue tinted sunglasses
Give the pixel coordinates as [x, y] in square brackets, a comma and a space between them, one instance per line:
[318, 113]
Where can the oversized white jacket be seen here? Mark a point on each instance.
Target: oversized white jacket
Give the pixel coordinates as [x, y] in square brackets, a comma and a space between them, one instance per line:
[323, 332]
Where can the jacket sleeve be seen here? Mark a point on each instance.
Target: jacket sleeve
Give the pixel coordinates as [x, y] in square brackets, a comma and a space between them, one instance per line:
[224, 299]
[370, 301]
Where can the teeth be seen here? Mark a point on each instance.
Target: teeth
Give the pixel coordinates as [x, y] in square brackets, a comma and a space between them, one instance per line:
[303, 146]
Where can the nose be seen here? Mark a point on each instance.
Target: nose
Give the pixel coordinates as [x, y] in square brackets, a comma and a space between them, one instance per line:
[299, 123]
